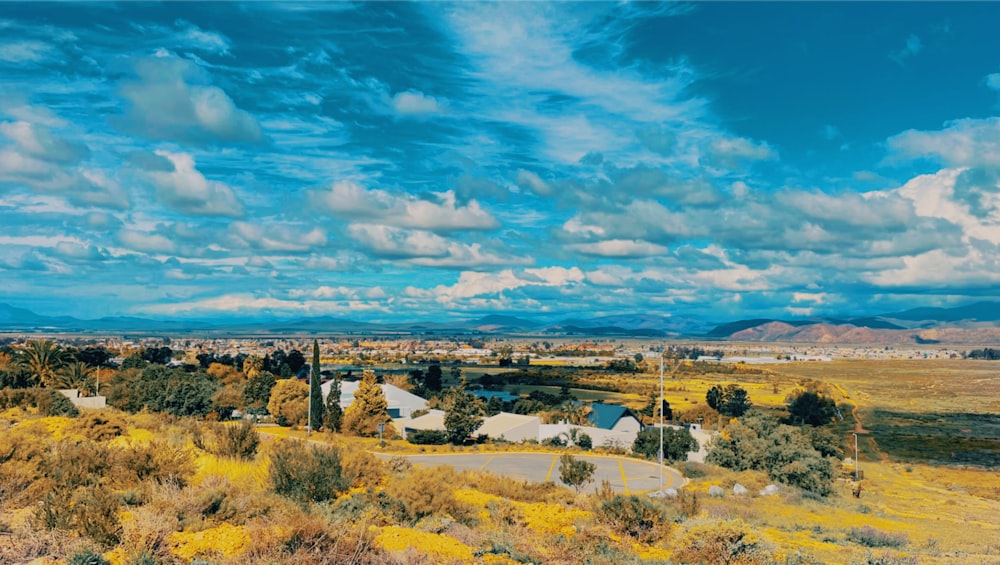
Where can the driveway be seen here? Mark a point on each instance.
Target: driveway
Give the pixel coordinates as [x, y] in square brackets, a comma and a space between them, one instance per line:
[625, 475]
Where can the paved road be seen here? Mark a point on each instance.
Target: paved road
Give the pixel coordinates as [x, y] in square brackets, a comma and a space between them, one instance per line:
[625, 475]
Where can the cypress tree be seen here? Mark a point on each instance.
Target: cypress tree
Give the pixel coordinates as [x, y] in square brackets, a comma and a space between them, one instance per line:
[315, 394]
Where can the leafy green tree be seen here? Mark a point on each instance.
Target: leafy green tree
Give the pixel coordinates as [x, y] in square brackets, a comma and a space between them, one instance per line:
[42, 359]
[258, 392]
[676, 443]
[289, 402]
[334, 415]
[368, 410]
[494, 406]
[76, 375]
[652, 413]
[731, 400]
[463, 414]
[316, 407]
[432, 380]
[785, 453]
[714, 397]
[810, 408]
[576, 473]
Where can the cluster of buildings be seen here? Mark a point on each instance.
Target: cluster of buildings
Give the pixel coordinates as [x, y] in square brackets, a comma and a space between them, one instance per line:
[608, 425]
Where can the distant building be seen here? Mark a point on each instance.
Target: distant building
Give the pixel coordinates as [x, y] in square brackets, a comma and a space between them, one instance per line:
[401, 403]
[510, 427]
[613, 417]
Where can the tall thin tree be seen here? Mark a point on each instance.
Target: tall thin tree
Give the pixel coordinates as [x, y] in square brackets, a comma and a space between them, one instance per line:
[315, 393]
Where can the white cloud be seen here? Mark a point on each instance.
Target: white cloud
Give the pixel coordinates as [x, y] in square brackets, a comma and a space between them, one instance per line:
[532, 182]
[38, 142]
[965, 142]
[620, 248]
[415, 103]
[146, 242]
[424, 248]
[913, 47]
[993, 81]
[471, 284]
[274, 237]
[442, 214]
[934, 196]
[26, 51]
[729, 148]
[172, 99]
[193, 36]
[234, 303]
[187, 190]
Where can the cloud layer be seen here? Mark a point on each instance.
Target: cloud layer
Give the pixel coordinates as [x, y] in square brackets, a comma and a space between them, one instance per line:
[462, 158]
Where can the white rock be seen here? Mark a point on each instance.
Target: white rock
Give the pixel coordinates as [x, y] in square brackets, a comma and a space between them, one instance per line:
[769, 490]
[716, 490]
[739, 489]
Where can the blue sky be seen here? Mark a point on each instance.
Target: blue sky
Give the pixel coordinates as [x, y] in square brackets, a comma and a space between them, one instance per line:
[386, 161]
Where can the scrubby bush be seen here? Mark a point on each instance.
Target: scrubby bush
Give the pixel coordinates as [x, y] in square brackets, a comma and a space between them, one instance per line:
[427, 437]
[639, 517]
[785, 453]
[87, 556]
[575, 472]
[157, 461]
[692, 469]
[46, 402]
[238, 441]
[306, 474]
[100, 425]
[427, 491]
[874, 537]
[362, 469]
[95, 515]
[676, 443]
[726, 542]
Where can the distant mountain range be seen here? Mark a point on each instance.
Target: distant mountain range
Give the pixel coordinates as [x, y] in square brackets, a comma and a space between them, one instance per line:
[977, 323]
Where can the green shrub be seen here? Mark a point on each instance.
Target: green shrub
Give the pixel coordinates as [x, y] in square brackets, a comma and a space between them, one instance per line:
[87, 556]
[95, 515]
[306, 474]
[637, 516]
[237, 442]
[428, 491]
[156, 461]
[692, 469]
[46, 401]
[873, 537]
[722, 542]
[427, 437]
[101, 425]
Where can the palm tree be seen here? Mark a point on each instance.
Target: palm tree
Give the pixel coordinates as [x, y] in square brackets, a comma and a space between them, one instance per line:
[41, 359]
[75, 375]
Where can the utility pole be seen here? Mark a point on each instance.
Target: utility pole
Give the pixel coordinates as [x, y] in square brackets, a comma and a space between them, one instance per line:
[661, 421]
[857, 473]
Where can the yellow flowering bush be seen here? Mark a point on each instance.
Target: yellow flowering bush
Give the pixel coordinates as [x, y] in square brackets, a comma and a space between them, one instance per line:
[224, 539]
[396, 538]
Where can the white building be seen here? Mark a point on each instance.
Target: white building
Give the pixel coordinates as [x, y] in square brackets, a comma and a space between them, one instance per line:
[401, 403]
[510, 427]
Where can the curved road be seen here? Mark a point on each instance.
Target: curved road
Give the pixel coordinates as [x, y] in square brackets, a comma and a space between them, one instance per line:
[625, 475]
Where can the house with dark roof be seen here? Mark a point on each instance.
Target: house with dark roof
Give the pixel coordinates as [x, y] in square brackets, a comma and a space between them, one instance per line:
[614, 418]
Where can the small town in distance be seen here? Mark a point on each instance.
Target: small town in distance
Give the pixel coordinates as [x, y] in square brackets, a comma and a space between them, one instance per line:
[672, 427]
